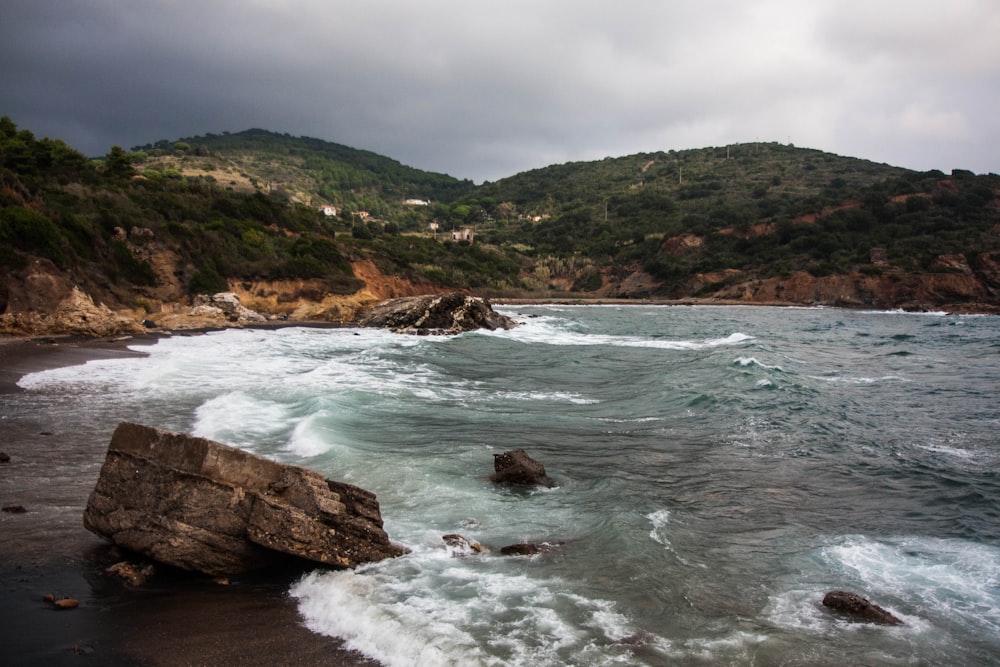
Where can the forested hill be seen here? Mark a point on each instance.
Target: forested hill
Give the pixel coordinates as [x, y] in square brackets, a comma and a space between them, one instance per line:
[295, 221]
[309, 170]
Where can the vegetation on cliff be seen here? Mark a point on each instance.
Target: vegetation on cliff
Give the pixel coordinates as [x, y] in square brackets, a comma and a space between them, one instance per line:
[255, 206]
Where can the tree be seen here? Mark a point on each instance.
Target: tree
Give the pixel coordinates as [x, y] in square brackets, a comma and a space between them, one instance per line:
[118, 164]
[505, 210]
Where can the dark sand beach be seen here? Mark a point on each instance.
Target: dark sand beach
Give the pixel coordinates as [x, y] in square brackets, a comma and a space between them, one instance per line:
[176, 618]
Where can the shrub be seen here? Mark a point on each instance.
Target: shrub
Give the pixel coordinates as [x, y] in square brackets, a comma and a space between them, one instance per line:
[32, 232]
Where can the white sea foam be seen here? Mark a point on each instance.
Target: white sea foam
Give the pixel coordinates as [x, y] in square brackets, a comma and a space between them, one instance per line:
[555, 397]
[954, 452]
[910, 313]
[737, 646]
[840, 379]
[659, 519]
[548, 333]
[949, 577]
[432, 608]
[927, 582]
[753, 361]
[309, 439]
[360, 609]
[95, 375]
[240, 419]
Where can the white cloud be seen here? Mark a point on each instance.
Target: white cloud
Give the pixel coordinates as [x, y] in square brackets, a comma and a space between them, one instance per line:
[925, 123]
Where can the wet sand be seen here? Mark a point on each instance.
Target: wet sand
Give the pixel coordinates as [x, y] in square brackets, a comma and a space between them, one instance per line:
[177, 618]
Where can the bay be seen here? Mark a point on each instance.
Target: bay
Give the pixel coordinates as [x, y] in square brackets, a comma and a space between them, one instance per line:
[719, 469]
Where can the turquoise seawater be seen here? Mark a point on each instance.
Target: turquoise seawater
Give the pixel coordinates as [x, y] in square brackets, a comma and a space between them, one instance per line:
[719, 469]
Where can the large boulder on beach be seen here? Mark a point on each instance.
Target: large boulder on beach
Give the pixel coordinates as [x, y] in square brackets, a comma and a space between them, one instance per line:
[516, 467]
[200, 505]
[858, 608]
[449, 313]
[227, 306]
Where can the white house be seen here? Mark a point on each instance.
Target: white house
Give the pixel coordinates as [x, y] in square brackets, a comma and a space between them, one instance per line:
[328, 211]
[416, 202]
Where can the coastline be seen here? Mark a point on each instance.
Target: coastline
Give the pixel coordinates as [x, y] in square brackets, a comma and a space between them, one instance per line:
[176, 618]
[951, 309]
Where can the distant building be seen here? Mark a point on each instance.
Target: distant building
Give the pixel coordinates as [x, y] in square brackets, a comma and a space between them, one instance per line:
[364, 215]
[416, 202]
[328, 210]
[462, 235]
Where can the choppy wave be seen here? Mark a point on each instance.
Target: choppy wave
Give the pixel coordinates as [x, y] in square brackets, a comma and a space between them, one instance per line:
[698, 453]
[437, 609]
[942, 589]
[555, 331]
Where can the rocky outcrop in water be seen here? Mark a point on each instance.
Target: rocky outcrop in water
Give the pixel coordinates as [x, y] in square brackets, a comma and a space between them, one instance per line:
[200, 505]
[462, 546]
[858, 608]
[516, 467]
[435, 314]
[529, 548]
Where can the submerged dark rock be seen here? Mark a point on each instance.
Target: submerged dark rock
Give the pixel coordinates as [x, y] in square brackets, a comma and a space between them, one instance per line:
[200, 505]
[858, 608]
[449, 313]
[516, 467]
[528, 548]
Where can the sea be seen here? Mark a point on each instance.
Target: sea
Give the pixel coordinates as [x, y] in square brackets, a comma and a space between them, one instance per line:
[717, 469]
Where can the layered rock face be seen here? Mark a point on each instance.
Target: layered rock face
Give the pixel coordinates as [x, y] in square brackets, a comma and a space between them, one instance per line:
[435, 313]
[200, 505]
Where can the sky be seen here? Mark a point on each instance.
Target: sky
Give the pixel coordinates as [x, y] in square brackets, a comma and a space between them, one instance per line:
[484, 89]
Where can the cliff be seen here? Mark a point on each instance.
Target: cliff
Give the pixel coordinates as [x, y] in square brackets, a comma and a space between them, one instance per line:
[43, 300]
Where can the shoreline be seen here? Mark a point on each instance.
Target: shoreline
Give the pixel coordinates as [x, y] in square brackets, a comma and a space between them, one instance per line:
[177, 617]
[950, 309]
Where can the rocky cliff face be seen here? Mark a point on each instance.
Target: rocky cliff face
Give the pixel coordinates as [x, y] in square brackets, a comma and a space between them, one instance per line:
[41, 299]
[45, 300]
[957, 285]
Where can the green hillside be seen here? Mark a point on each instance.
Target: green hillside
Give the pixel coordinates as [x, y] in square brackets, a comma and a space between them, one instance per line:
[306, 169]
[246, 206]
[767, 208]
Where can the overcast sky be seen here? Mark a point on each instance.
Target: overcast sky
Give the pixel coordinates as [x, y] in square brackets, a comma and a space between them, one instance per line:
[484, 89]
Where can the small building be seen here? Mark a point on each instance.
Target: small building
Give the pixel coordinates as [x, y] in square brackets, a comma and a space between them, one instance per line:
[416, 202]
[328, 211]
[465, 234]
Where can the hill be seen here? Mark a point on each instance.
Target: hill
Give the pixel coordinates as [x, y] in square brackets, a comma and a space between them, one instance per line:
[141, 232]
[301, 169]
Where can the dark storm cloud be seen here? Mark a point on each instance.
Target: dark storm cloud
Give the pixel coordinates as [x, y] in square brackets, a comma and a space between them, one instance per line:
[486, 89]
